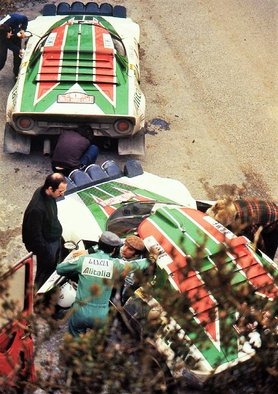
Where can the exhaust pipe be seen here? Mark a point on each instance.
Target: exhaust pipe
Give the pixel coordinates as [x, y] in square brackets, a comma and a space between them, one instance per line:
[46, 147]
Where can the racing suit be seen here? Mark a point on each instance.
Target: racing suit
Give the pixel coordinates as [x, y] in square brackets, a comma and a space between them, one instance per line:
[130, 282]
[97, 273]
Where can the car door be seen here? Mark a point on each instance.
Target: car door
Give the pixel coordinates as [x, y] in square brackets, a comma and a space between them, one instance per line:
[16, 306]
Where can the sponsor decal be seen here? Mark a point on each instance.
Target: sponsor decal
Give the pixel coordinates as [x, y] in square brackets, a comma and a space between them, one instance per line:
[107, 41]
[100, 268]
[51, 40]
[223, 230]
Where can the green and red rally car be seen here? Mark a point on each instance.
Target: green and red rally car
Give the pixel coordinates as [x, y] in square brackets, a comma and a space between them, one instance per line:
[80, 67]
[206, 278]
[212, 294]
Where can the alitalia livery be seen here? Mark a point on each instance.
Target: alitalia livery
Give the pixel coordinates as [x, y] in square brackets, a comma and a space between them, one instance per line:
[80, 66]
[197, 255]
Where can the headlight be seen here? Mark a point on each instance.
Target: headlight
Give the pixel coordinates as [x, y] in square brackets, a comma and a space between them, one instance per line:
[123, 126]
[24, 123]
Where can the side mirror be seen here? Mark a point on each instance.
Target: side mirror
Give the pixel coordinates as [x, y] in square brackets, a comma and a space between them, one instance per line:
[70, 245]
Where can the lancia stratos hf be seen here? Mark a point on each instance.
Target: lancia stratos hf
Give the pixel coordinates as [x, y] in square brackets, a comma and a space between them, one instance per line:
[212, 291]
[80, 66]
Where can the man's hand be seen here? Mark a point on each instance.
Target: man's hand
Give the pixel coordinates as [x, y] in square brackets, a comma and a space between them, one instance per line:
[154, 252]
[21, 34]
[78, 253]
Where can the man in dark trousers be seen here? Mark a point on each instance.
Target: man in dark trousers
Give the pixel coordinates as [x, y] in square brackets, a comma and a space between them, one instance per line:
[74, 149]
[10, 26]
[41, 229]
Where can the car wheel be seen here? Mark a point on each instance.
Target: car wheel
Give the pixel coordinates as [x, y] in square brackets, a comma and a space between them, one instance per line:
[49, 10]
[63, 8]
[119, 11]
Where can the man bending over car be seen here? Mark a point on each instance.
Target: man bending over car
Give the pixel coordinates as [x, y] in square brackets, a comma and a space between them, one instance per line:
[10, 26]
[97, 274]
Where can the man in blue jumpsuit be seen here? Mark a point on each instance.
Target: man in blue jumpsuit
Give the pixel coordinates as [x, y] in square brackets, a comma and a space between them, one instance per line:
[97, 273]
[10, 26]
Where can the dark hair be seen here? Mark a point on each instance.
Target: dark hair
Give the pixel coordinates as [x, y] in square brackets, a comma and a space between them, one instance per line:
[4, 29]
[54, 180]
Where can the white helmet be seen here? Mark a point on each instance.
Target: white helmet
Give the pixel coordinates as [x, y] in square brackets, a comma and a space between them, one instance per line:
[67, 295]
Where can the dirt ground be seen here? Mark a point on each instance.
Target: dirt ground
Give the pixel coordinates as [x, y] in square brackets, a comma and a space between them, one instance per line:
[209, 73]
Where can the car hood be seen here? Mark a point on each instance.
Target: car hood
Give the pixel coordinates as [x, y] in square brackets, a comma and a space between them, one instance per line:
[199, 259]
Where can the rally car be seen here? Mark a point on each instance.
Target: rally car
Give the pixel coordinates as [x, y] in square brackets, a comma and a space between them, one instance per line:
[80, 67]
[209, 285]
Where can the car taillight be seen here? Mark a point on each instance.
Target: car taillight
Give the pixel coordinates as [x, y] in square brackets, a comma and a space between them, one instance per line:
[123, 126]
[24, 123]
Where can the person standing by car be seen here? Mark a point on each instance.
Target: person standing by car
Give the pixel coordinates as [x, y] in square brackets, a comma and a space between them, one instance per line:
[10, 26]
[97, 274]
[74, 149]
[41, 229]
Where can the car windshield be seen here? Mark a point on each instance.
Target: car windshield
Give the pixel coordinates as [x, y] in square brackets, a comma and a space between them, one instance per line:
[37, 50]
[127, 218]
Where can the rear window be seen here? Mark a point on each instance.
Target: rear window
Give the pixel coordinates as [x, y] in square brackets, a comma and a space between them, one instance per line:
[126, 219]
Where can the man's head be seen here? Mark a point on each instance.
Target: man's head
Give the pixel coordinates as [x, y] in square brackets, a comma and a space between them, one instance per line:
[55, 185]
[132, 247]
[109, 241]
[223, 211]
[5, 31]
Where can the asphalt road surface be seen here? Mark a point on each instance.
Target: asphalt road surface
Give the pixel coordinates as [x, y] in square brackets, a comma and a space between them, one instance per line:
[209, 73]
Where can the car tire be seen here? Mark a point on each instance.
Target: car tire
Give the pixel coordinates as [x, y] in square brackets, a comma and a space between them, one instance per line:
[63, 8]
[49, 10]
[119, 11]
[77, 8]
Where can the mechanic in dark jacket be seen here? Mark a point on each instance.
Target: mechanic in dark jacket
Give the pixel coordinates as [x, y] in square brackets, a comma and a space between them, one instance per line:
[74, 150]
[10, 26]
[41, 229]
